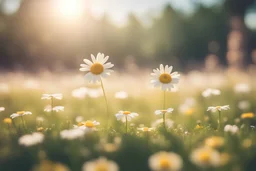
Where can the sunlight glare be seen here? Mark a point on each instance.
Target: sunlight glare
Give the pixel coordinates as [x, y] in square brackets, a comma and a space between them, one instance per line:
[70, 8]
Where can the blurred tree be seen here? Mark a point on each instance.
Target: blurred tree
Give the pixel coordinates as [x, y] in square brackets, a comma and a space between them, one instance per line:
[237, 38]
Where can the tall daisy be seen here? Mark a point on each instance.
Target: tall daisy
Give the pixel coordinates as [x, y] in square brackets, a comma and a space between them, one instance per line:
[97, 69]
[164, 78]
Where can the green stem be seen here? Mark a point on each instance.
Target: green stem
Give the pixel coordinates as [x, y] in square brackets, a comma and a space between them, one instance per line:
[164, 109]
[23, 122]
[126, 122]
[14, 125]
[219, 121]
[105, 97]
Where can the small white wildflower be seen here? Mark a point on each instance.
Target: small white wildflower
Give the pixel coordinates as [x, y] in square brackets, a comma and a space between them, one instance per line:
[51, 96]
[161, 112]
[20, 113]
[48, 108]
[121, 95]
[2, 109]
[72, 134]
[242, 88]
[209, 92]
[79, 118]
[122, 115]
[218, 108]
[31, 139]
[243, 105]
[80, 93]
[95, 93]
[231, 128]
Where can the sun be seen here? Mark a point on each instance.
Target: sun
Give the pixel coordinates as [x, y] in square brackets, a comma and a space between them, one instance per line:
[70, 9]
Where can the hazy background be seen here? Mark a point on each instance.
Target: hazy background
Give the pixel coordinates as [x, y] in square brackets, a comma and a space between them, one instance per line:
[56, 35]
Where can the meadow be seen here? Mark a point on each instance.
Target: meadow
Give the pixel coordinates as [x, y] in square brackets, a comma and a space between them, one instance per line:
[60, 122]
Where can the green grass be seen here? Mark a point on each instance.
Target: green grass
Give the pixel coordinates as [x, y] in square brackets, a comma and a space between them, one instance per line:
[135, 147]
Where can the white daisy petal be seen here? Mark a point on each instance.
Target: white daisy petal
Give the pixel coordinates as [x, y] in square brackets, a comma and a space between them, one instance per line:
[93, 58]
[88, 62]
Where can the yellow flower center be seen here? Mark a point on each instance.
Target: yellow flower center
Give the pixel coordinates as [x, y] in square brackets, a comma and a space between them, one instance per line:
[163, 111]
[145, 129]
[164, 163]
[101, 167]
[20, 112]
[126, 112]
[204, 157]
[89, 124]
[97, 68]
[218, 107]
[165, 78]
[80, 124]
[7, 120]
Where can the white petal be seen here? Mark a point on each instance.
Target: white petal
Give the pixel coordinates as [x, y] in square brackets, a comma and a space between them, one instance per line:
[158, 112]
[161, 68]
[170, 110]
[108, 65]
[93, 58]
[88, 62]
[104, 60]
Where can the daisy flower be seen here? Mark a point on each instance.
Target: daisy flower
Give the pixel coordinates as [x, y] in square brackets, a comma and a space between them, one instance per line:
[52, 96]
[218, 108]
[145, 129]
[206, 157]
[31, 139]
[163, 161]
[164, 78]
[100, 164]
[80, 93]
[242, 88]
[214, 142]
[123, 115]
[87, 126]
[209, 92]
[233, 129]
[161, 112]
[97, 68]
[2, 109]
[72, 134]
[48, 108]
[20, 113]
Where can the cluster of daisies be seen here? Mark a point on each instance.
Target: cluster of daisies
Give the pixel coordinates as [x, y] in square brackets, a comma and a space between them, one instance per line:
[205, 156]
